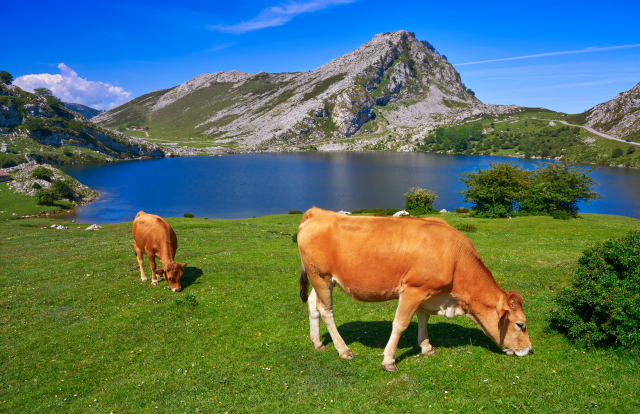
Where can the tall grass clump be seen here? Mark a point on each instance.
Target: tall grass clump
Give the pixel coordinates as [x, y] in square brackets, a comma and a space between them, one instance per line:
[602, 307]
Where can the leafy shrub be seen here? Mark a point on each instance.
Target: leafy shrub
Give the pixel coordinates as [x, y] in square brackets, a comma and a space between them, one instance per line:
[295, 212]
[617, 152]
[63, 189]
[561, 215]
[419, 200]
[294, 237]
[47, 197]
[42, 173]
[187, 215]
[36, 186]
[602, 307]
[462, 210]
[631, 149]
[468, 228]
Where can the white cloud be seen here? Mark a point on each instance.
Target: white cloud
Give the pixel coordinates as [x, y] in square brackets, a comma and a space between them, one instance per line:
[278, 15]
[570, 52]
[69, 87]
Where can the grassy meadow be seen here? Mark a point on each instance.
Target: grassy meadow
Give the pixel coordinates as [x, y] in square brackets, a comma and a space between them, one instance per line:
[81, 333]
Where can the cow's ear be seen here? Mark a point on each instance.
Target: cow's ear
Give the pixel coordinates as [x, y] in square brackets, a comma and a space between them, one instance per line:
[503, 317]
[502, 309]
[161, 272]
[182, 265]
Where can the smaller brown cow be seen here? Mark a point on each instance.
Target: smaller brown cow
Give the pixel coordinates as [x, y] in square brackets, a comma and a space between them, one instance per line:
[153, 236]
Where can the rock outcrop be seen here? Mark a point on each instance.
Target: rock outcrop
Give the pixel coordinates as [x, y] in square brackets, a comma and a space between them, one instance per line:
[619, 117]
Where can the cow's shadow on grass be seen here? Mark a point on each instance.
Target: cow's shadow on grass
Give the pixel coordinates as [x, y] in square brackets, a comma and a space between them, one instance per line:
[441, 335]
[189, 276]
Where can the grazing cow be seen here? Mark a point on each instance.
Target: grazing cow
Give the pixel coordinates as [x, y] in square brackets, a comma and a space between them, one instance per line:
[153, 236]
[430, 267]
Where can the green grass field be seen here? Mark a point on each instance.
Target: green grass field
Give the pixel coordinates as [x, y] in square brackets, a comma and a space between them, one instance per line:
[81, 333]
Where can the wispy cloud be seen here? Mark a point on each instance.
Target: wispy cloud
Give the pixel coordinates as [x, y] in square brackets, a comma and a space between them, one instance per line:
[278, 15]
[570, 52]
[69, 87]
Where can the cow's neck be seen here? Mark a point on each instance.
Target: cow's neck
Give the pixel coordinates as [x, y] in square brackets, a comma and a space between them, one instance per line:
[478, 293]
[166, 254]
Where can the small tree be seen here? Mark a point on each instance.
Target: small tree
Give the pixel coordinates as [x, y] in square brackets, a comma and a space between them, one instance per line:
[34, 124]
[47, 197]
[495, 191]
[631, 149]
[559, 187]
[6, 77]
[42, 173]
[419, 200]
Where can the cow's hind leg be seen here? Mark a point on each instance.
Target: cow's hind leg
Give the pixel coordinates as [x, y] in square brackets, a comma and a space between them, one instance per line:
[407, 306]
[325, 307]
[314, 322]
[139, 254]
[423, 334]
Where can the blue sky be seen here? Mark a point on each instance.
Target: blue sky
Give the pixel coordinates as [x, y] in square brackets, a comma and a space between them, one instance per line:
[103, 54]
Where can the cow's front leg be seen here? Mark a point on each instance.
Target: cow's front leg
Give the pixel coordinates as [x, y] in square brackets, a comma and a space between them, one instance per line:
[139, 257]
[154, 275]
[406, 308]
[325, 307]
[314, 322]
[423, 334]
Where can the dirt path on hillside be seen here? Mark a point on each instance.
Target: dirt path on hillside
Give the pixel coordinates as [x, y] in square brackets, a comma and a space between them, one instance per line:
[593, 131]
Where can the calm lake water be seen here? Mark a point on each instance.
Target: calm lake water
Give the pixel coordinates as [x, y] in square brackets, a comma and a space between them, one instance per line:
[247, 185]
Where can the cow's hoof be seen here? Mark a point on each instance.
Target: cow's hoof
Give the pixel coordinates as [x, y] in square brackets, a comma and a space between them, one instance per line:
[390, 367]
[430, 352]
[154, 283]
[347, 354]
[144, 279]
[320, 347]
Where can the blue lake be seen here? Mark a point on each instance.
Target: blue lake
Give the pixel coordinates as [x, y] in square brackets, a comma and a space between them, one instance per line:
[247, 185]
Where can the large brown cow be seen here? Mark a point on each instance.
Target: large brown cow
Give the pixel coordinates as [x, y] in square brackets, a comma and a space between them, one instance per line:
[153, 236]
[432, 269]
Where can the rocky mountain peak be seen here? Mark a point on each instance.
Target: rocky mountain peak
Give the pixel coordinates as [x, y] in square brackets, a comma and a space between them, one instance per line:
[392, 81]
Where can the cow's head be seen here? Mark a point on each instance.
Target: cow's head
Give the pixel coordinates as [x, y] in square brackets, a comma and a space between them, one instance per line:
[511, 334]
[507, 325]
[172, 274]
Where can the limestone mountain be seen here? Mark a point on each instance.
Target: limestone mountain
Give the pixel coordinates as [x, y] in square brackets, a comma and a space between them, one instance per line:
[619, 117]
[392, 82]
[29, 121]
[86, 111]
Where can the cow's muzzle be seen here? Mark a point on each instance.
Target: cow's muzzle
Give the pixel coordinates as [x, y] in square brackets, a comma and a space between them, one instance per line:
[520, 352]
[178, 289]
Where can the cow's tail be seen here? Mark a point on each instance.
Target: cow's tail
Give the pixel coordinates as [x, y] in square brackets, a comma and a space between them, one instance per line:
[304, 285]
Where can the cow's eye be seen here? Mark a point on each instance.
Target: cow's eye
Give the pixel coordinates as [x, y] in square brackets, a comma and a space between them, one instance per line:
[520, 325]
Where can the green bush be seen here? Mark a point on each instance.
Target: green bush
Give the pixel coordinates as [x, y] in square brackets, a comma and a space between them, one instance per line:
[42, 173]
[36, 186]
[505, 189]
[602, 307]
[187, 215]
[47, 197]
[617, 152]
[295, 212]
[34, 124]
[63, 188]
[462, 210]
[419, 200]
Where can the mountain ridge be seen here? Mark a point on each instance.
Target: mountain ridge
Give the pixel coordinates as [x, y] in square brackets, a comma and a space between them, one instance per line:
[393, 81]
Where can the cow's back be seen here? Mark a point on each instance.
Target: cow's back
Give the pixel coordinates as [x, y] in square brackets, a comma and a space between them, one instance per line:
[151, 232]
[373, 257]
